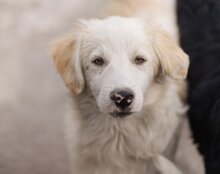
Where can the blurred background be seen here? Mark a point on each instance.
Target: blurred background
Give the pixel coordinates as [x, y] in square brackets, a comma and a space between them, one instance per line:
[32, 95]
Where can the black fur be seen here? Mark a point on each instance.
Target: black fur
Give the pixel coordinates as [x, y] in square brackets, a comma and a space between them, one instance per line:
[199, 23]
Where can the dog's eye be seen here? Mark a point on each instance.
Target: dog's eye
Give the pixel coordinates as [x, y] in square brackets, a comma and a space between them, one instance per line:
[98, 61]
[139, 60]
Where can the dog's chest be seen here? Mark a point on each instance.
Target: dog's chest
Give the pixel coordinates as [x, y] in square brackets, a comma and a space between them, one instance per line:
[130, 139]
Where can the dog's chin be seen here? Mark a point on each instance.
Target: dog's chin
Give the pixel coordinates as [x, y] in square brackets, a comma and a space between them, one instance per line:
[121, 114]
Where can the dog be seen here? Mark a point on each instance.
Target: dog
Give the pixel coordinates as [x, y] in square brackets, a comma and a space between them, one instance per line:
[203, 46]
[125, 74]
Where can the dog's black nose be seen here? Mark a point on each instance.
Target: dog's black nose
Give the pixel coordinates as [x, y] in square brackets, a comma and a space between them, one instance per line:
[123, 98]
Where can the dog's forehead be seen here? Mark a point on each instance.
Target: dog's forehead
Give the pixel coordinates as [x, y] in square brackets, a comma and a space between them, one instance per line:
[118, 30]
[120, 24]
[117, 35]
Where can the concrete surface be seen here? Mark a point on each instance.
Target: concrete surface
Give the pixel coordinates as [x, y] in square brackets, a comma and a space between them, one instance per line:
[32, 96]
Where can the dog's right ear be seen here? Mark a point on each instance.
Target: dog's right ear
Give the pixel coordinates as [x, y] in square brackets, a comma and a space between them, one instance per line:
[66, 57]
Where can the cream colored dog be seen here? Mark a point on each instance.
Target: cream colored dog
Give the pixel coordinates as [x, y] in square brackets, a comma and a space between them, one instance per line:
[126, 76]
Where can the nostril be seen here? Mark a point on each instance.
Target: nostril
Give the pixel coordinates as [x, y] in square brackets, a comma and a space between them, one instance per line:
[122, 97]
[118, 98]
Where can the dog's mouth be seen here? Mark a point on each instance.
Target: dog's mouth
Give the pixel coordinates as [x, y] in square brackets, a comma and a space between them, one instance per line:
[120, 114]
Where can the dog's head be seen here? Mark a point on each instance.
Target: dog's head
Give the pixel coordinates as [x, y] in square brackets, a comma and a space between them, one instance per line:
[116, 59]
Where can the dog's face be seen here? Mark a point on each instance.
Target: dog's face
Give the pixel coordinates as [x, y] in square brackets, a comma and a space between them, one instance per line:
[116, 59]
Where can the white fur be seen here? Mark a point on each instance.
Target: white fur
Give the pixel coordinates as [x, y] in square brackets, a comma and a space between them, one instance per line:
[146, 141]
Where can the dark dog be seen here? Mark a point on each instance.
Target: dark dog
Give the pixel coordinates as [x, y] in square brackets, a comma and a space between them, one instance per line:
[199, 22]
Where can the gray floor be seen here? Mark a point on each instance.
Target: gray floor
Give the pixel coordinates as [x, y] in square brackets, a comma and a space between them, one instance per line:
[32, 96]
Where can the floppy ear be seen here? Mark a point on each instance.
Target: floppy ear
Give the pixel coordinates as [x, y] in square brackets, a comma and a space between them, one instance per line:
[174, 61]
[66, 57]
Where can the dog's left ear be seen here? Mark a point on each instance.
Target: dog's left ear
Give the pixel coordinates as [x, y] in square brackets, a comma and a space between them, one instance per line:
[66, 57]
[174, 61]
